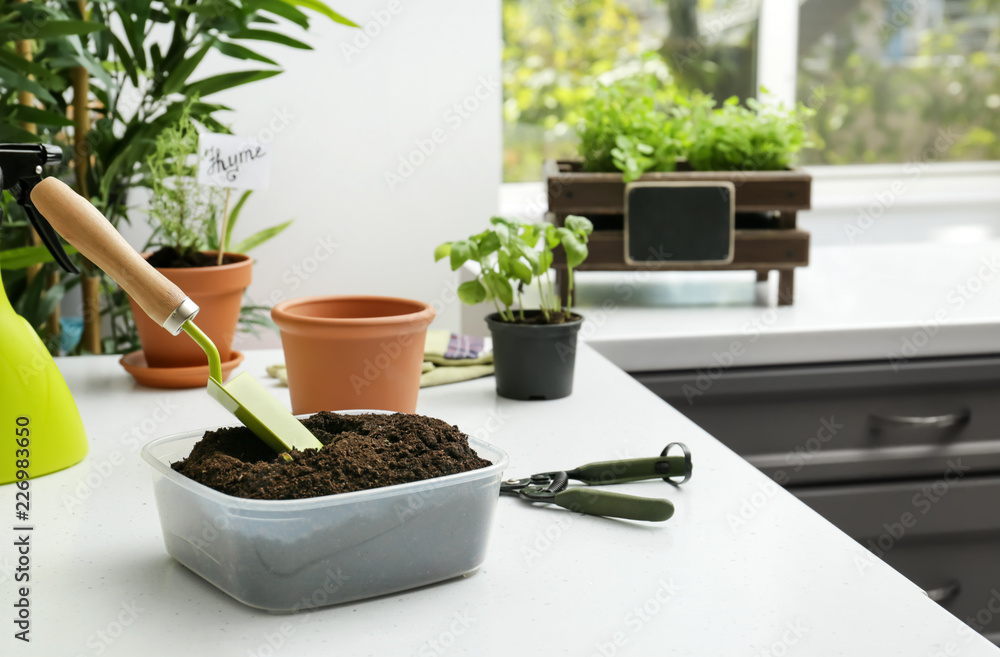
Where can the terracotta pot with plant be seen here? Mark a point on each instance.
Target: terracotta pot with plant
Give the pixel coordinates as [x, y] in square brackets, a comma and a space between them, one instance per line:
[187, 248]
[534, 350]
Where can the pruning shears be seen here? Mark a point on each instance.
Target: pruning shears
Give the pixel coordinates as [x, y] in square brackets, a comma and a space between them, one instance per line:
[553, 487]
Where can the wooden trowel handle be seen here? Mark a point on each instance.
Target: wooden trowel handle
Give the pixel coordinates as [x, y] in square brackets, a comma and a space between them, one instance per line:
[83, 226]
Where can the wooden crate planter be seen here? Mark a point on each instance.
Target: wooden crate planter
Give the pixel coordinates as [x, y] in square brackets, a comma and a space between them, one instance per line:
[761, 244]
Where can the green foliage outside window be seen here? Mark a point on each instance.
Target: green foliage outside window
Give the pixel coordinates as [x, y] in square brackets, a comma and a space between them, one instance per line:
[888, 80]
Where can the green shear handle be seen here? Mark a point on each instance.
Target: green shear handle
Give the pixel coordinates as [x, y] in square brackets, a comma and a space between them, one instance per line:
[614, 505]
[552, 487]
[625, 470]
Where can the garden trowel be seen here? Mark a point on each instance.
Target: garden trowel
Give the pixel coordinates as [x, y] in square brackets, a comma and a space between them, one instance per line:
[83, 226]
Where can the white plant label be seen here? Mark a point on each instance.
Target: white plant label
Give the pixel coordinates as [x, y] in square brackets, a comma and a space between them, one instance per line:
[233, 161]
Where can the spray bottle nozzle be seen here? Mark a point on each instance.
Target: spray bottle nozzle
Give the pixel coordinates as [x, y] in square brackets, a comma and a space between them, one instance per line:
[21, 168]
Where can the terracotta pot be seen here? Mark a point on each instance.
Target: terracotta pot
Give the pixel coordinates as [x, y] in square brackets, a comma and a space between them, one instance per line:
[218, 291]
[347, 352]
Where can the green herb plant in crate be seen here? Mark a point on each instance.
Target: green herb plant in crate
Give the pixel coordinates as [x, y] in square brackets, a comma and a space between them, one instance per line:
[754, 137]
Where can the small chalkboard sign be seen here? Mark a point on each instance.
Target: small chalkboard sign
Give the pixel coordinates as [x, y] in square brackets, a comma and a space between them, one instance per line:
[679, 222]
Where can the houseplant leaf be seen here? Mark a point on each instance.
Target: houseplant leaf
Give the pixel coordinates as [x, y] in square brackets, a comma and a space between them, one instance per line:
[26, 256]
[48, 29]
[236, 51]
[472, 292]
[576, 250]
[321, 8]
[225, 81]
[273, 37]
[460, 253]
[234, 216]
[442, 251]
[260, 237]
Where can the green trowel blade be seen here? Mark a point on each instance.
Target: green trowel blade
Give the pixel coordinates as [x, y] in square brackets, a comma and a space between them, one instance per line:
[252, 404]
[256, 408]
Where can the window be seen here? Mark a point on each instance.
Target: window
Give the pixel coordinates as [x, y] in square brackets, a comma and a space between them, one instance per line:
[891, 80]
[555, 51]
[900, 80]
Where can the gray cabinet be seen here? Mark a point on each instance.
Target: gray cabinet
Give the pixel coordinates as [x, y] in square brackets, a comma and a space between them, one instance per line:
[944, 536]
[905, 458]
[847, 422]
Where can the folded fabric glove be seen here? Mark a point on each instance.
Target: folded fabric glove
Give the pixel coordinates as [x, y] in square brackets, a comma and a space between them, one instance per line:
[448, 358]
[442, 375]
[278, 372]
[451, 350]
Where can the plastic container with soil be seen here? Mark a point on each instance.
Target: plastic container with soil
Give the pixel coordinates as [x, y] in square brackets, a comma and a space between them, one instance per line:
[289, 554]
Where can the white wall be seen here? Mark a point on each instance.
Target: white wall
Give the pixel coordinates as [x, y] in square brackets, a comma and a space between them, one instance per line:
[354, 106]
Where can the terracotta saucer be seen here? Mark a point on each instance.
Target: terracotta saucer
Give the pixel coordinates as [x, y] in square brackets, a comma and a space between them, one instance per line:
[174, 377]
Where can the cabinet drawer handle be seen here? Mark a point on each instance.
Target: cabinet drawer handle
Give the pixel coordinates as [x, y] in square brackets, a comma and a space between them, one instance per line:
[945, 593]
[946, 421]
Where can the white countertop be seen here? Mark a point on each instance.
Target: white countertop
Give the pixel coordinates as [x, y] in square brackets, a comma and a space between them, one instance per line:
[851, 303]
[743, 568]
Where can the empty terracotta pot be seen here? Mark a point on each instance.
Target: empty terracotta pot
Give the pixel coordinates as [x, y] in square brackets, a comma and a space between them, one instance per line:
[348, 352]
[218, 291]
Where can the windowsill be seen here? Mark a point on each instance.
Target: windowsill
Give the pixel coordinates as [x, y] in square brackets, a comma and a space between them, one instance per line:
[908, 185]
[847, 187]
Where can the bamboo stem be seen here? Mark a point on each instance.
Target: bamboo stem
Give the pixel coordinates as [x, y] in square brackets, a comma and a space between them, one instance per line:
[90, 287]
[90, 278]
[26, 98]
[81, 119]
[225, 225]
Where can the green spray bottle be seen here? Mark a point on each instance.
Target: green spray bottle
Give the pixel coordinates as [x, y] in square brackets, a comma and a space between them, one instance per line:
[40, 427]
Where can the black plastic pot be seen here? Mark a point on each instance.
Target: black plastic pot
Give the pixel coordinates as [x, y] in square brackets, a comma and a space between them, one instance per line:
[534, 361]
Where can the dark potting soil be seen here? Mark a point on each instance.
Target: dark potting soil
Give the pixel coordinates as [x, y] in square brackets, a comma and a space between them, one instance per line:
[359, 452]
[536, 317]
[168, 257]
